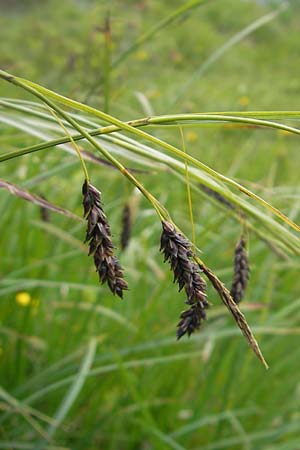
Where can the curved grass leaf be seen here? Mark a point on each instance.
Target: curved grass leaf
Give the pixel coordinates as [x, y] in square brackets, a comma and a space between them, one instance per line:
[217, 54]
[37, 200]
[72, 394]
[119, 143]
[44, 93]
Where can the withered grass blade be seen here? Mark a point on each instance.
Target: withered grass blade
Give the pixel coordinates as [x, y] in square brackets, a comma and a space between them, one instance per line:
[37, 200]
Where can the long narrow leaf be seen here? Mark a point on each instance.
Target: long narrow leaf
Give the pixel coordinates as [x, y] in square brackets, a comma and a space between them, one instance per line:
[238, 37]
[73, 392]
[39, 201]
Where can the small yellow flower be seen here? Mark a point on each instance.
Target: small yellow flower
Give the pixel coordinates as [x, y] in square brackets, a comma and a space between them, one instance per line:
[191, 136]
[244, 101]
[283, 132]
[23, 298]
[35, 303]
[90, 296]
[176, 57]
[154, 93]
[142, 55]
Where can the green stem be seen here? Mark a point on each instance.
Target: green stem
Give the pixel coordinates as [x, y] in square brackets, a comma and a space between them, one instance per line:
[166, 119]
[128, 126]
[161, 24]
[282, 234]
[107, 63]
[242, 34]
[183, 9]
[233, 308]
[275, 114]
[188, 188]
[84, 168]
[157, 120]
[18, 82]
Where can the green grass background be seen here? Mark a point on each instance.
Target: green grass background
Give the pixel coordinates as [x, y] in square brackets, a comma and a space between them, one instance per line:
[144, 389]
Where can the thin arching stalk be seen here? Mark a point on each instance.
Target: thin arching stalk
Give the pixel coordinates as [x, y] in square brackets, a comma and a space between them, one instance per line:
[28, 85]
[280, 233]
[162, 213]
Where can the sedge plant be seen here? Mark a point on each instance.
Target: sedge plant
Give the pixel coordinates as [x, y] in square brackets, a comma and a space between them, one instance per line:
[107, 266]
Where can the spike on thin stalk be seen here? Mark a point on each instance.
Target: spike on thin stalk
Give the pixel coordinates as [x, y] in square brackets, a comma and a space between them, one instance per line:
[98, 236]
[126, 226]
[241, 271]
[177, 251]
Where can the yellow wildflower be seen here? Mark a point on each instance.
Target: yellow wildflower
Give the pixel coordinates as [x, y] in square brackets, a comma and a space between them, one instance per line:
[191, 136]
[244, 101]
[283, 132]
[23, 298]
[35, 302]
[142, 55]
[176, 56]
[154, 93]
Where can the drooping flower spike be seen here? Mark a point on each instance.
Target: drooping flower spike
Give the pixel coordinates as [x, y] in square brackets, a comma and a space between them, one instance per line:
[98, 236]
[178, 252]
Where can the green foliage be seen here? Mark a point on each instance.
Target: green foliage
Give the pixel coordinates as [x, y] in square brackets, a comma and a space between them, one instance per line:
[90, 371]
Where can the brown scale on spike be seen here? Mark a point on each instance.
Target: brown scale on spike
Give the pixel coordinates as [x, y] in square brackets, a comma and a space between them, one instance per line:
[217, 196]
[98, 236]
[126, 227]
[177, 251]
[241, 271]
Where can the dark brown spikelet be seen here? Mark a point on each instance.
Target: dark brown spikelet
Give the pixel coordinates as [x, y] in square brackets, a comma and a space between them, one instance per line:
[177, 251]
[217, 196]
[45, 216]
[241, 271]
[98, 236]
[126, 227]
[44, 212]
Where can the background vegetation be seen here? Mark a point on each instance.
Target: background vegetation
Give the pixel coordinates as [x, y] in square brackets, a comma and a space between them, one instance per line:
[81, 369]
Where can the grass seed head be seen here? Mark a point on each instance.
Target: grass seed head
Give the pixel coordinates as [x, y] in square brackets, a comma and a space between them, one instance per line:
[178, 252]
[44, 212]
[98, 236]
[217, 196]
[190, 320]
[241, 271]
[126, 227]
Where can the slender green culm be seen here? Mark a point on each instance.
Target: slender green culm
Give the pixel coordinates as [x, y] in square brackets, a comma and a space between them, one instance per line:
[33, 87]
[188, 188]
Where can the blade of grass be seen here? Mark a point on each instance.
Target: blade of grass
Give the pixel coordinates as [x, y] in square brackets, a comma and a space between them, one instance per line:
[164, 438]
[217, 54]
[97, 309]
[39, 201]
[18, 284]
[40, 91]
[176, 165]
[107, 62]
[60, 234]
[73, 392]
[16, 445]
[268, 436]
[163, 214]
[27, 412]
[211, 420]
[188, 188]
[153, 361]
[232, 307]
[142, 39]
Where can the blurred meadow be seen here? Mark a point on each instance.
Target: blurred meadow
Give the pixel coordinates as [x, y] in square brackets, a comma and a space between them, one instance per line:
[80, 368]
